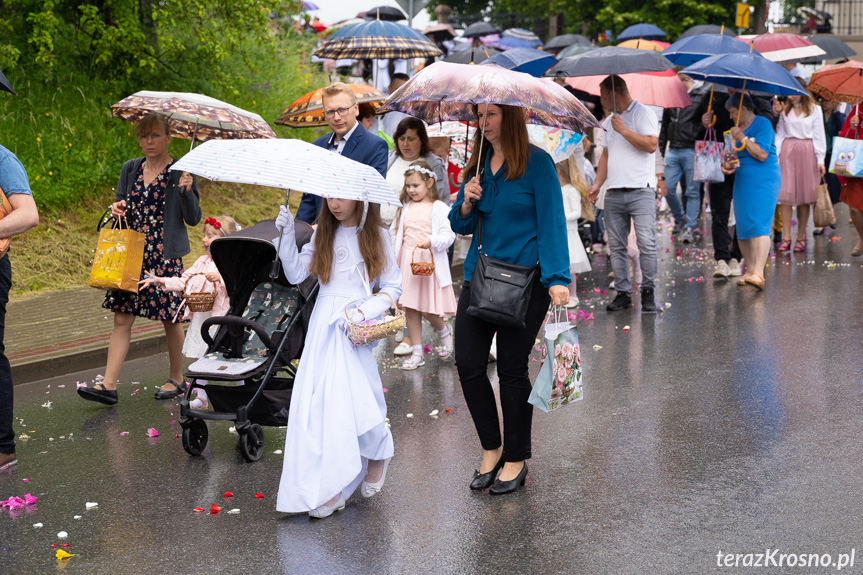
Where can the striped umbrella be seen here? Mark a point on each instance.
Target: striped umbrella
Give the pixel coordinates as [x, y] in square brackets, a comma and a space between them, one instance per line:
[377, 40]
[194, 116]
[307, 111]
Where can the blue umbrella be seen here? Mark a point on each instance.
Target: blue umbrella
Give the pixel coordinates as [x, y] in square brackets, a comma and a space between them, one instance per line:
[518, 38]
[692, 49]
[528, 60]
[643, 32]
[749, 70]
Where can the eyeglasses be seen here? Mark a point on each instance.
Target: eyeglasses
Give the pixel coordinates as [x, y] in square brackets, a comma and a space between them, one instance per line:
[340, 111]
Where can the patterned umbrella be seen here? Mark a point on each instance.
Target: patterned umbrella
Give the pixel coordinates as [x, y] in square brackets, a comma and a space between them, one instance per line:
[194, 116]
[560, 144]
[308, 111]
[289, 165]
[377, 40]
[517, 38]
[839, 82]
[451, 130]
[441, 91]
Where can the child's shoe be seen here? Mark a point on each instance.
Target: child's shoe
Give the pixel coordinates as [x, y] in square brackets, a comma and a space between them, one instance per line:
[414, 362]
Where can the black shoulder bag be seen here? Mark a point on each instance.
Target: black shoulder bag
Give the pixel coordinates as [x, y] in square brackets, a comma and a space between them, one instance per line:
[499, 291]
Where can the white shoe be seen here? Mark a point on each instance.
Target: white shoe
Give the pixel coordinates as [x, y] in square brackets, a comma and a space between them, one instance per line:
[414, 362]
[573, 302]
[687, 236]
[371, 489]
[446, 350]
[403, 349]
[492, 352]
[199, 403]
[734, 268]
[722, 270]
[325, 510]
[400, 335]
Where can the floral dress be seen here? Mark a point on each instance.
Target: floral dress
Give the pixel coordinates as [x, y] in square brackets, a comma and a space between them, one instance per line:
[145, 212]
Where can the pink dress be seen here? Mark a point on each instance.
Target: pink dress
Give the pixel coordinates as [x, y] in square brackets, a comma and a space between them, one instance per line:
[422, 293]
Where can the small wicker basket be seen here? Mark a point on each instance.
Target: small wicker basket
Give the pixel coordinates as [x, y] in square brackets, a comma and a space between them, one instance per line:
[365, 333]
[202, 300]
[421, 268]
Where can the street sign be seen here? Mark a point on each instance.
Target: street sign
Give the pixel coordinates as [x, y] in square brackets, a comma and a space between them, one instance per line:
[743, 12]
[417, 5]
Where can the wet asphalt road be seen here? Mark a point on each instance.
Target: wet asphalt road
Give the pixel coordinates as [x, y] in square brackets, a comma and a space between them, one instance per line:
[730, 422]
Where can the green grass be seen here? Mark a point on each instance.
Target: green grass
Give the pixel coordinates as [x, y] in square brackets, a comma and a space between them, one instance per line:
[63, 132]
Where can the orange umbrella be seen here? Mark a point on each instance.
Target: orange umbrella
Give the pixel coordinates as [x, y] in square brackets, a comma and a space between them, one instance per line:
[308, 111]
[662, 89]
[839, 82]
[645, 45]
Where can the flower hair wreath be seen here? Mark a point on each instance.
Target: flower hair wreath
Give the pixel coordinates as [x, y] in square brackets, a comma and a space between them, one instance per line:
[421, 170]
[216, 224]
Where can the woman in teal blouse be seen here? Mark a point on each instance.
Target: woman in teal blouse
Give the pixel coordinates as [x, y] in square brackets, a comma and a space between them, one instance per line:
[519, 199]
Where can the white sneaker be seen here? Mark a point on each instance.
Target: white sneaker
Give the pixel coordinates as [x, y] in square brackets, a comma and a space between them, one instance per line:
[687, 237]
[326, 511]
[722, 270]
[734, 268]
[492, 352]
[403, 349]
[414, 362]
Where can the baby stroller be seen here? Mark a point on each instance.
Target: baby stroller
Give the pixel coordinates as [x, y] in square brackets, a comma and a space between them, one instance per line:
[249, 364]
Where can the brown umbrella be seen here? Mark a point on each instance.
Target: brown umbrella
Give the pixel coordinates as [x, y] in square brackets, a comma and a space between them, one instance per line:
[307, 111]
[194, 116]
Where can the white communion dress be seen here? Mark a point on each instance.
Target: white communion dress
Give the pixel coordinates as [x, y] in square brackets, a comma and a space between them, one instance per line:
[337, 418]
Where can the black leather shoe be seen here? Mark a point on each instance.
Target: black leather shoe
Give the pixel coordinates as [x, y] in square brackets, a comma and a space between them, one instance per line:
[484, 480]
[171, 393]
[104, 396]
[503, 487]
[648, 303]
[622, 301]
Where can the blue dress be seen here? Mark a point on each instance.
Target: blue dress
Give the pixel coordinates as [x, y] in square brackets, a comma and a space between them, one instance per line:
[756, 184]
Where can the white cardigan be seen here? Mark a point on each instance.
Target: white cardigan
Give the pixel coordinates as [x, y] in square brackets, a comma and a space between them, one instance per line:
[441, 237]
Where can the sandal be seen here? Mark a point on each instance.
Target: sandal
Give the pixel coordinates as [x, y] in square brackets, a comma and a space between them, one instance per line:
[414, 362]
[755, 280]
[104, 396]
[445, 350]
[784, 246]
[171, 394]
[800, 245]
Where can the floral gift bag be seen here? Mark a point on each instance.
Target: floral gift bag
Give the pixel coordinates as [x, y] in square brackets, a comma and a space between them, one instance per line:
[707, 155]
[559, 381]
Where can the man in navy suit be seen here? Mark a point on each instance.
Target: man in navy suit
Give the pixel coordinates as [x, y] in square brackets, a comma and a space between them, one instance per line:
[348, 138]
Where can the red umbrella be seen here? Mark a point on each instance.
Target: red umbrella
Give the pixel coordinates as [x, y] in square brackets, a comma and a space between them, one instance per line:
[784, 47]
[662, 89]
[839, 82]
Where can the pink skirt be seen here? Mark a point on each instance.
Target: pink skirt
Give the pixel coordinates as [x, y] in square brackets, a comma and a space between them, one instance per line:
[799, 170]
[422, 293]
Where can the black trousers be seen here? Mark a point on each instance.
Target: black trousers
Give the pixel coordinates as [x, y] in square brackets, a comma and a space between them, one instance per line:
[472, 343]
[7, 435]
[724, 246]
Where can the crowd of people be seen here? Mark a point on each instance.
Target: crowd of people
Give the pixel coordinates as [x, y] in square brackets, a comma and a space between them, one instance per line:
[510, 202]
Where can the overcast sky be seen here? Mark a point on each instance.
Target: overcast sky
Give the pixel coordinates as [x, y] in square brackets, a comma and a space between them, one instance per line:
[332, 11]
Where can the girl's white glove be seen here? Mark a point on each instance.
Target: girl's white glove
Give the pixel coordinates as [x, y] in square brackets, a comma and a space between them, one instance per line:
[357, 316]
[285, 220]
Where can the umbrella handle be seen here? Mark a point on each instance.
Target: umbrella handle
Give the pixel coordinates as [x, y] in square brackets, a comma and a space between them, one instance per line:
[481, 138]
[274, 271]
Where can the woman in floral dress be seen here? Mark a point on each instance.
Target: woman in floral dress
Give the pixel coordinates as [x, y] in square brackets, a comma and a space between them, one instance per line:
[160, 203]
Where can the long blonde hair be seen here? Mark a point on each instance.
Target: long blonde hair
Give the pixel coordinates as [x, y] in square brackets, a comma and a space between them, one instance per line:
[404, 197]
[370, 239]
[571, 173]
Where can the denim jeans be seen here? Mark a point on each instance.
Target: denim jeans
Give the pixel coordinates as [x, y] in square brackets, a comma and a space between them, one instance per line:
[680, 168]
[7, 435]
[623, 209]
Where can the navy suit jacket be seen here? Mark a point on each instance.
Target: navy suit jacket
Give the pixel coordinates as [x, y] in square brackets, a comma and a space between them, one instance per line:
[365, 148]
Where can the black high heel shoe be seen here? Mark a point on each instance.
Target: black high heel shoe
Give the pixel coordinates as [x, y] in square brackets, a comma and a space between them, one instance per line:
[484, 480]
[502, 487]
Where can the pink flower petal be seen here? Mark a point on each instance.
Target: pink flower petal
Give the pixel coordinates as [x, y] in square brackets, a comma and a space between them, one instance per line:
[29, 499]
[153, 432]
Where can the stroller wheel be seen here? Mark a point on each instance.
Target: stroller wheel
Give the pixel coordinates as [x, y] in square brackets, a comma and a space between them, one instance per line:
[195, 437]
[251, 443]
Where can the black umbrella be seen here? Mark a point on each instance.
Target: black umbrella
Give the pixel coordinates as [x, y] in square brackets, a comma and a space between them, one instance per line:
[566, 40]
[472, 55]
[834, 47]
[707, 29]
[390, 13]
[611, 60]
[5, 85]
[478, 29]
